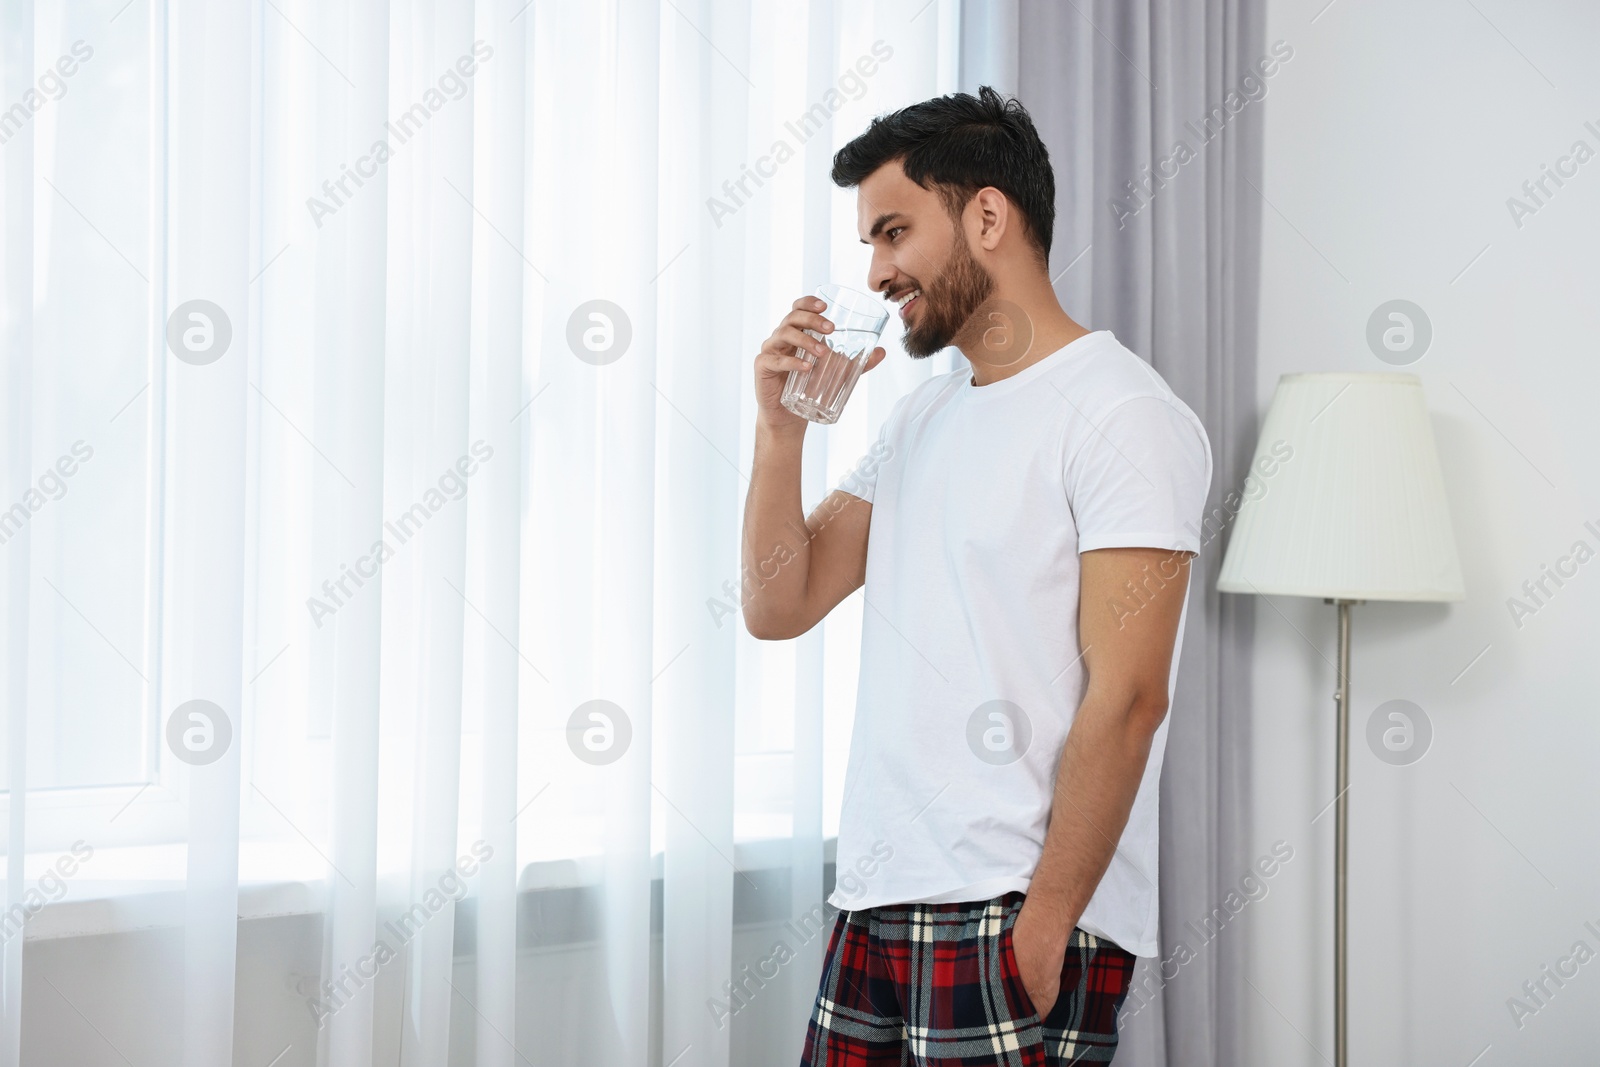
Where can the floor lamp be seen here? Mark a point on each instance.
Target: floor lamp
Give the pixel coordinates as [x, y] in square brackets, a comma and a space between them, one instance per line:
[1344, 501]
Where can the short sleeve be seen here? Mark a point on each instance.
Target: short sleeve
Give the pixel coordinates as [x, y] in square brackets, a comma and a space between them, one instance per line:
[1139, 478]
[861, 480]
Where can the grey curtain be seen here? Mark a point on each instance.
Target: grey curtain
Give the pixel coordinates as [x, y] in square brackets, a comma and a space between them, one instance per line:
[1160, 244]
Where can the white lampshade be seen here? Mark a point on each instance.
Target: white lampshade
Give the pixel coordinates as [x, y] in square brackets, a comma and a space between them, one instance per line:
[1344, 498]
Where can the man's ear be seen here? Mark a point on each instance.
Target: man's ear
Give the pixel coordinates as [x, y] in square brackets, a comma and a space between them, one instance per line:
[994, 216]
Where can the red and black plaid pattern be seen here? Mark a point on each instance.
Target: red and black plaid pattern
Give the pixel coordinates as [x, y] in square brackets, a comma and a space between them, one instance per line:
[936, 985]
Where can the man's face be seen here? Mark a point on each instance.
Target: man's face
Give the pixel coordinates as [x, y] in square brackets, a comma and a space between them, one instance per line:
[917, 247]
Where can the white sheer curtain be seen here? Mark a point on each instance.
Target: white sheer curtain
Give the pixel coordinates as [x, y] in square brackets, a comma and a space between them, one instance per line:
[16, 292]
[411, 342]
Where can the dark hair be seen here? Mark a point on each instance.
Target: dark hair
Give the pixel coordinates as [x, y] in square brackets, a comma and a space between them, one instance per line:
[958, 144]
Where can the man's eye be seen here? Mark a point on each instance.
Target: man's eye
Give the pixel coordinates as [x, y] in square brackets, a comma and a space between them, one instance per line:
[894, 231]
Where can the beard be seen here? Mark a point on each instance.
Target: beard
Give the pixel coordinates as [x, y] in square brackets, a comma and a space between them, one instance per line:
[948, 302]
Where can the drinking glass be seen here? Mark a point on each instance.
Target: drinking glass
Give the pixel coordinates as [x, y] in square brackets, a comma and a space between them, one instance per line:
[819, 392]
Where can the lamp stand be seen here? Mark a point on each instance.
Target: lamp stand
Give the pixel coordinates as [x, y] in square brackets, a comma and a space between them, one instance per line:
[1341, 835]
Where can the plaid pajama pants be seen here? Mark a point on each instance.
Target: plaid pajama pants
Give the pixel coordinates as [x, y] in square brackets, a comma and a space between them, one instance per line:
[936, 985]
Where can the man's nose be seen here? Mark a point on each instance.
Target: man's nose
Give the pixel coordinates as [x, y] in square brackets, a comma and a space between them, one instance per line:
[881, 276]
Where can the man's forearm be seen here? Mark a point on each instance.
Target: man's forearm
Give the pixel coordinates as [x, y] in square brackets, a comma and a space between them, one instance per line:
[1102, 763]
[775, 545]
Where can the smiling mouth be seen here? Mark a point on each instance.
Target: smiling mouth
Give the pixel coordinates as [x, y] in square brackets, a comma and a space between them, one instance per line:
[907, 299]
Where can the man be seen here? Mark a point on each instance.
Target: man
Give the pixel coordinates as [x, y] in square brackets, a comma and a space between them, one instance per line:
[1023, 527]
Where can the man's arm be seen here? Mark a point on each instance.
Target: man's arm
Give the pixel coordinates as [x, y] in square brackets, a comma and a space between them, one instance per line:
[1128, 643]
[795, 570]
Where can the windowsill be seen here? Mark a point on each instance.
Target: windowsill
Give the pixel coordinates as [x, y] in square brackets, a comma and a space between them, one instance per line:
[119, 890]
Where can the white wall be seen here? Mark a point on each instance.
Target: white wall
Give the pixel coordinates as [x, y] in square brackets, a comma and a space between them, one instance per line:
[1393, 139]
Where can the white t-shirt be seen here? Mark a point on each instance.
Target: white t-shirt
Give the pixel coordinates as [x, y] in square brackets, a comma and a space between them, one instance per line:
[982, 497]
